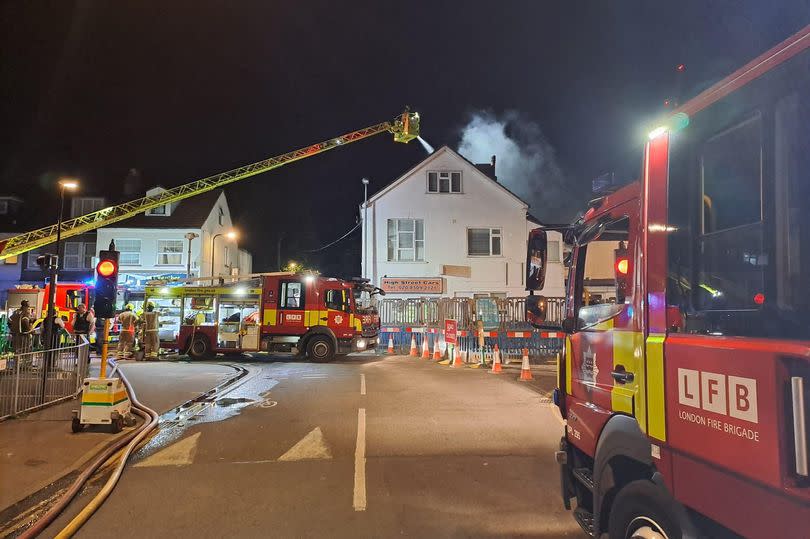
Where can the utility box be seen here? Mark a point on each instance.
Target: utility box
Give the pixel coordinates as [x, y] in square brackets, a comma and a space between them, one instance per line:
[105, 401]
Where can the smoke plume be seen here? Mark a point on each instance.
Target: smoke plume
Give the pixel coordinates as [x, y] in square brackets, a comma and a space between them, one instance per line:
[526, 162]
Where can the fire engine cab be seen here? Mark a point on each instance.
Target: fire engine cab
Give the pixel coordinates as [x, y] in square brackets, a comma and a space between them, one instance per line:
[685, 380]
[67, 298]
[314, 315]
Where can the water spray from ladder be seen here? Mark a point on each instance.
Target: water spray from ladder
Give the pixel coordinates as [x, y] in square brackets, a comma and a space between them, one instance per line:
[428, 148]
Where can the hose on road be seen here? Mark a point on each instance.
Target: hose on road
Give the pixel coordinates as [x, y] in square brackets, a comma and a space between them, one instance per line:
[131, 441]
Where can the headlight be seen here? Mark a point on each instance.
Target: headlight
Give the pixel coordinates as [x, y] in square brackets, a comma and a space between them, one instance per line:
[361, 344]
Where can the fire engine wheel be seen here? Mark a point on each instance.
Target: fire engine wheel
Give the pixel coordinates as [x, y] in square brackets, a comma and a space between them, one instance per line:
[642, 511]
[320, 349]
[199, 349]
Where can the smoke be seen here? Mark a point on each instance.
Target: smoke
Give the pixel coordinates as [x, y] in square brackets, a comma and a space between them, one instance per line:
[526, 162]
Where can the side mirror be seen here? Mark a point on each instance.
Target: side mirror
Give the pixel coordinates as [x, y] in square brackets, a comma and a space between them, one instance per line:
[536, 256]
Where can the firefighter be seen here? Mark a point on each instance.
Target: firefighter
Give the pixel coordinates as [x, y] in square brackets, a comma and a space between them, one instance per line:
[151, 324]
[20, 326]
[126, 338]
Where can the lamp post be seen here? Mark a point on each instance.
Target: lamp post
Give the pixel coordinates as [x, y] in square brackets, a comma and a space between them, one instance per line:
[69, 184]
[189, 236]
[231, 235]
[365, 227]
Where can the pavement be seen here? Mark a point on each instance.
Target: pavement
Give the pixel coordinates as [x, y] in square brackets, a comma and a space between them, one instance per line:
[368, 446]
[39, 448]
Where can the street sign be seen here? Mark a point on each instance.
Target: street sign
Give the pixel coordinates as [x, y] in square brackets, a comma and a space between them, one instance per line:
[450, 331]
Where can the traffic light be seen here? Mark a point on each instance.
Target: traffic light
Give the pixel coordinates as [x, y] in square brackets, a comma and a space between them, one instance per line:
[106, 284]
[621, 268]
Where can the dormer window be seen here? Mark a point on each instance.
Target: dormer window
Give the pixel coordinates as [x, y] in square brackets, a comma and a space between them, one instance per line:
[444, 182]
[84, 205]
[160, 210]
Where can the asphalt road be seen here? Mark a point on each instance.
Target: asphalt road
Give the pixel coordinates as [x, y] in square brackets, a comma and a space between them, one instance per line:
[365, 447]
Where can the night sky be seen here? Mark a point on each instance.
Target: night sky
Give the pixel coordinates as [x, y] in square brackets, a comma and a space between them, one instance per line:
[181, 90]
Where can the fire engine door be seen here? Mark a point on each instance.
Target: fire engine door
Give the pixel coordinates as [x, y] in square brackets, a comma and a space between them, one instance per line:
[338, 312]
[291, 307]
[607, 367]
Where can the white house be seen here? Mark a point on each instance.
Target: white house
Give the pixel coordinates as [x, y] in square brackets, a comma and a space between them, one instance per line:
[448, 228]
[158, 242]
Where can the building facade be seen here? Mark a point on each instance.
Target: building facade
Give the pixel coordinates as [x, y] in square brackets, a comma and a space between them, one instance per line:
[186, 238]
[448, 228]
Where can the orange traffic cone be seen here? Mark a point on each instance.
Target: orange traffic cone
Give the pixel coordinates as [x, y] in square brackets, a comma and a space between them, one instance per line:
[496, 362]
[437, 353]
[413, 351]
[459, 357]
[525, 369]
[390, 344]
[425, 348]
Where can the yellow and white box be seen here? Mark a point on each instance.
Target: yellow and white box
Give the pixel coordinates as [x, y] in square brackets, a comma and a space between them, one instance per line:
[104, 400]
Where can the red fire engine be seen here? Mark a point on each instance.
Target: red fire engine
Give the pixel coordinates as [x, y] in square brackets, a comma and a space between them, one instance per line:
[686, 378]
[318, 316]
[68, 297]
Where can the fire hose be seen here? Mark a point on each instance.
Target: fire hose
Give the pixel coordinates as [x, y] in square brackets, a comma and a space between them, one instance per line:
[129, 442]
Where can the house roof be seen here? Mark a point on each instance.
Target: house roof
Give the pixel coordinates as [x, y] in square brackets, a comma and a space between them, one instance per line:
[189, 213]
[485, 170]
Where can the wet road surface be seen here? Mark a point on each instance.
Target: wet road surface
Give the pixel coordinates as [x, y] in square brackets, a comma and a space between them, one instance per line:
[364, 447]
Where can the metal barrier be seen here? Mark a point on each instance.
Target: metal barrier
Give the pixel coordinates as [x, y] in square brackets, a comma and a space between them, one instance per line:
[34, 379]
[419, 319]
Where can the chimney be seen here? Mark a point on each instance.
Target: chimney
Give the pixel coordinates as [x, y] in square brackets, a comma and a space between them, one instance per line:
[493, 169]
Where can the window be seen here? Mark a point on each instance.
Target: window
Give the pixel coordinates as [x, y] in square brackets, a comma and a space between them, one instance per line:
[130, 252]
[170, 252]
[337, 299]
[444, 182]
[10, 260]
[484, 241]
[553, 251]
[84, 205]
[160, 210]
[221, 217]
[78, 255]
[32, 259]
[406, 240]
[3, 207]
[606, 272]
[291, 295]
[738, 265]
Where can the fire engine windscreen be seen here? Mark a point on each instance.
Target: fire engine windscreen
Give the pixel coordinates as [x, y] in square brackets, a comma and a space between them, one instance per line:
[738, 230]
[606, 284]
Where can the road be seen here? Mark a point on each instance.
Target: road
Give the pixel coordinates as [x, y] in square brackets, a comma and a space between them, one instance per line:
[365, 447]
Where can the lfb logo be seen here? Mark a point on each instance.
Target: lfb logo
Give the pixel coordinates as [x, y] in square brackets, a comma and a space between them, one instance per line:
[728, 395]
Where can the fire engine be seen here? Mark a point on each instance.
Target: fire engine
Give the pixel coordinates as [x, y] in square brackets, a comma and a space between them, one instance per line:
[315, 315]
[685, 380]
[68, 297]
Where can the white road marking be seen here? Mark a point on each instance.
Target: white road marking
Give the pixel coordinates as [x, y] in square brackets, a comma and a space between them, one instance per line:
[310, 447]
[362, 384]
[360, 463]
[178, 454]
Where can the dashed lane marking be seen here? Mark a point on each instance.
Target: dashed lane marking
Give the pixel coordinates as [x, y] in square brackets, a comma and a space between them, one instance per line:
[362, 384]
[359, 501]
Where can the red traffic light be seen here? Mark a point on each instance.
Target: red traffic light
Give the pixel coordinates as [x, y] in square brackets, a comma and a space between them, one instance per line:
[622, 266]
[106, 268]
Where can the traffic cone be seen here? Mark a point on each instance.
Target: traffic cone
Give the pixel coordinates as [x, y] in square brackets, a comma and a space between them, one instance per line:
[390, 344]
[425, 348]
[525, 369]
[437, 352]
[496, 362]
[413, 351]
[460, 357]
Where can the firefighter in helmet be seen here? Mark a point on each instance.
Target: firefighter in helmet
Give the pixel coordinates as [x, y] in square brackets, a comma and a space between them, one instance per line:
[151, 324]
[126, 338]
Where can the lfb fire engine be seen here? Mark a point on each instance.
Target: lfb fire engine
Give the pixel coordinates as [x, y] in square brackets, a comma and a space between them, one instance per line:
[686, 374]
[67, 298]
[314, 315]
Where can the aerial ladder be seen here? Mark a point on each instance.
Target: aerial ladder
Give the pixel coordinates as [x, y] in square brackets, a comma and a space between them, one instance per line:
[405, 127]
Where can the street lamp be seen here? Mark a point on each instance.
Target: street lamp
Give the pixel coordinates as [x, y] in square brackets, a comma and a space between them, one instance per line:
[365, 226]
[231, 235]
[189, 236]
[65, 184]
